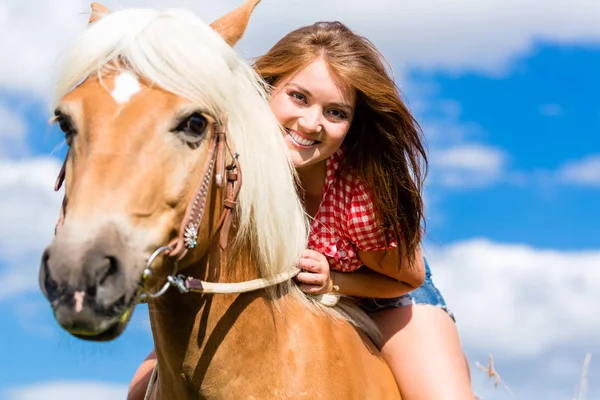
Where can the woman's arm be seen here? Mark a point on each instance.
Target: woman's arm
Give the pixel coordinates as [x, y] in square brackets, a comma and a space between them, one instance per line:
[385, 276]
[141, 379]
[388, 263]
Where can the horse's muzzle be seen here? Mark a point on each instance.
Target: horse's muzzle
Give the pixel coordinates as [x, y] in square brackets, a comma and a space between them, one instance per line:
[87, 290]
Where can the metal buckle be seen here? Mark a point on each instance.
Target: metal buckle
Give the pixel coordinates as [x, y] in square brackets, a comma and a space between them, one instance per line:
[148, 273]
[179, 282]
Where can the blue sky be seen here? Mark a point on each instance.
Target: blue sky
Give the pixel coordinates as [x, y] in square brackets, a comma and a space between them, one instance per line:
[512, 117]
[512, 114]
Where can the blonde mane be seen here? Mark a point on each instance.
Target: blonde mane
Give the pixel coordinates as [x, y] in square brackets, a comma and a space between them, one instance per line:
[178, 52]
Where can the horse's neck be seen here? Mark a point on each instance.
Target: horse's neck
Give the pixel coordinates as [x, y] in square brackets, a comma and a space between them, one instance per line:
[190, 329]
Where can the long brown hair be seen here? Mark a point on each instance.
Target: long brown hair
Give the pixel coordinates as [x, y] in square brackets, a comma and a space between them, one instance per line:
[384, 144]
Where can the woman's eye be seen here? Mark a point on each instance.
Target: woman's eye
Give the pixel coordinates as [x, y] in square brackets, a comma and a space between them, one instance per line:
[196, 124]
[338, 114]
[298, 96]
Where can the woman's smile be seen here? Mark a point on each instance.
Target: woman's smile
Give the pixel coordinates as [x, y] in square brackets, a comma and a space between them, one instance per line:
[300, 140]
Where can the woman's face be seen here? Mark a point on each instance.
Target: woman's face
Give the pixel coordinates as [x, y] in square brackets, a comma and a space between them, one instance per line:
[315, 111]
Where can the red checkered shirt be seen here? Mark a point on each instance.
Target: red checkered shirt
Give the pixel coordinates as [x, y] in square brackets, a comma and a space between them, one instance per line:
[346, 221]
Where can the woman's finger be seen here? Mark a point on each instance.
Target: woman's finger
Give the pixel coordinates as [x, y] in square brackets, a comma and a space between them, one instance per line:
[311, 279]
[311, 289]
[313, 255]
[308, 264]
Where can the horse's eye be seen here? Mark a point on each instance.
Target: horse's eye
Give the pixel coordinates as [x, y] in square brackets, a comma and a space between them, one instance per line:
[65, 124]
[196, 124]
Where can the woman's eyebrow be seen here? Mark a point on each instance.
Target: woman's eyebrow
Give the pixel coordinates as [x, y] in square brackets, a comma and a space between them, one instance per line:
[300, 88]
[348, 107]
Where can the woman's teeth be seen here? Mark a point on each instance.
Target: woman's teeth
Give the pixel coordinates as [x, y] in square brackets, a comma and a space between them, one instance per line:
[300, 140]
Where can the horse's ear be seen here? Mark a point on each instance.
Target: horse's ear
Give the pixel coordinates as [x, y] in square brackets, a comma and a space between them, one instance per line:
[233, 25]
[98, 11]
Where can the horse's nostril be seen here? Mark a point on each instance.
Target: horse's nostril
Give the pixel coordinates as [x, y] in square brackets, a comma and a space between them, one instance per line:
[49, 286]
[112, 270]
[108, 283]
[91, 290]
[102, 272]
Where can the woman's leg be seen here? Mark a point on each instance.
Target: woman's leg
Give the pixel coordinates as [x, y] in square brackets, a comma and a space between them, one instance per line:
[422, 347]
[141, 379]
[421, 344]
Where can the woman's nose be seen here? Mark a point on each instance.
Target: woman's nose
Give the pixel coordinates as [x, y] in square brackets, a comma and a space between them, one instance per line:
[310, 120]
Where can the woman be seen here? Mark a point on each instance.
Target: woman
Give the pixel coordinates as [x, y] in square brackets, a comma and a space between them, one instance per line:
[358, 153]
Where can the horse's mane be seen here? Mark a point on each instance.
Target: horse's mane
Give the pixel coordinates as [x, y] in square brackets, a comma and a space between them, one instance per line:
[178, 52]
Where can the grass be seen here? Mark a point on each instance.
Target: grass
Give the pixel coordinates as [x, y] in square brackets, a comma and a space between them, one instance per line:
[581, 390]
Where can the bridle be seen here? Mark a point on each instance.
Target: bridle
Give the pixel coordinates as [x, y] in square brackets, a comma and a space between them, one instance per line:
[225, 176]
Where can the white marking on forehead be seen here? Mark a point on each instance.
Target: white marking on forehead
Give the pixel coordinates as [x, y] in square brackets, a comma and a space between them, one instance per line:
[126, 85]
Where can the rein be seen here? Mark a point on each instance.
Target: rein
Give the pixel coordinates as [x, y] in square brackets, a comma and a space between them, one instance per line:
[228, 177]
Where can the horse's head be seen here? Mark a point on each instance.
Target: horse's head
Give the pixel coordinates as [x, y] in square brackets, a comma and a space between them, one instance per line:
[145, 100]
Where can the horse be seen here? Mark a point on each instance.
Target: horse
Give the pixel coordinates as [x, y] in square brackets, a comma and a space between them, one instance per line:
[162, 118]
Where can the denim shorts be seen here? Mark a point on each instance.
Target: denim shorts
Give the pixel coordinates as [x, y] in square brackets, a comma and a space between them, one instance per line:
[427, 293]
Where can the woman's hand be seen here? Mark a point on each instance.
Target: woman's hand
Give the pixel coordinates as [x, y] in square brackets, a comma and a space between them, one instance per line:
[314, 277]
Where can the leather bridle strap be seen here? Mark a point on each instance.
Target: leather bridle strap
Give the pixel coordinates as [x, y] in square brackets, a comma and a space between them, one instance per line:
[57, 185]
[188, 233]
[190, 225]
[233, 182]
[196, 285]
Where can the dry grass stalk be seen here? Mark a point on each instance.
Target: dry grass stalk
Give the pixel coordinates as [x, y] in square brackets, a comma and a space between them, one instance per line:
[582, 391]
[493, 374]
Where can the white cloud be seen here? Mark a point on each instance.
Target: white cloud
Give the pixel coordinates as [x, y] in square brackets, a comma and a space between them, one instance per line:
[458, 156]
[29, 210]
[471, 157]
[467, 165]
[34, 32]
[516, 300]
[69, 391]
[34, 317]
[585, 172]
[448, 129]
[12, 127]
[39, 30]
[12, 132]
[483, 36]
[18, 278]
[474, 165]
